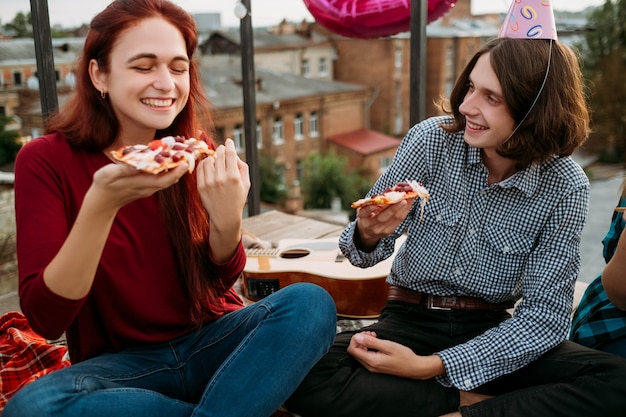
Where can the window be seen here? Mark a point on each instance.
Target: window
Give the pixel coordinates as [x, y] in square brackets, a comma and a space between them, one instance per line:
[298, 127]
[259, 135]
[450, 76]
[277, 131]
[313, 125]
[383, 164]
[304, 68]
[398, 57]
[323, 67]
[397, 124]
[17, 78]
[300, 170]
[238, 138]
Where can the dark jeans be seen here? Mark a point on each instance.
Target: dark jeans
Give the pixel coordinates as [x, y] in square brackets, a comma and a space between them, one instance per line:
[570, 380]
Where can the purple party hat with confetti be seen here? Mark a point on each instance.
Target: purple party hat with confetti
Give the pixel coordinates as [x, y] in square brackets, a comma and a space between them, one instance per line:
[529, 19]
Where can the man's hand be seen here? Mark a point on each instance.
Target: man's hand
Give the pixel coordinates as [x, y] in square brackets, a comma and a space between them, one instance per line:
[376, 222]
[387, 357]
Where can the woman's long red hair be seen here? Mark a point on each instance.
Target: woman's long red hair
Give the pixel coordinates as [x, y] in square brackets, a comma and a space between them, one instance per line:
[88, 122]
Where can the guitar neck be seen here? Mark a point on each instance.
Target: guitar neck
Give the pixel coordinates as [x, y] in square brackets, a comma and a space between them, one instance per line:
[256, 252]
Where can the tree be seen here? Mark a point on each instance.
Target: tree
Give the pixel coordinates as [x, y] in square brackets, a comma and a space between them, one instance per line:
[604, 63]
[21, 25]
[8, 142]
[272, 190]
[327, 177]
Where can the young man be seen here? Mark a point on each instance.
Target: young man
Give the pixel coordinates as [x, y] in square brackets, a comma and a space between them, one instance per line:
[503, 223]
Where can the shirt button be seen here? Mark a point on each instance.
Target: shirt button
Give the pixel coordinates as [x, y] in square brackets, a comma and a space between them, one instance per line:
[471, 232]
[506, 249]
[439, 217]
[457, 271]
[467, 383]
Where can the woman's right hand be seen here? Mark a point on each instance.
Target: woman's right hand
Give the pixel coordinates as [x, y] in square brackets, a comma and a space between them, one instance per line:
[118, 184]
[70, 274]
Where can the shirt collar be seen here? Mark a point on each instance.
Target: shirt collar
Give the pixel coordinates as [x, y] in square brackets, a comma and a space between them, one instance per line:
[526, 180]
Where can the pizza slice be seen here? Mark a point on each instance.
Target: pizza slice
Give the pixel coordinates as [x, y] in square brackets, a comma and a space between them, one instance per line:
[163, 154]
[404, 190]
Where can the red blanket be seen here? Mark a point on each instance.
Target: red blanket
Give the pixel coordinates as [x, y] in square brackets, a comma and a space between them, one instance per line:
[24, 355]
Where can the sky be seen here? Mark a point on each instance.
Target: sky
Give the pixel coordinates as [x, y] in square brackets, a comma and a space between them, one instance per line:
[73, 13]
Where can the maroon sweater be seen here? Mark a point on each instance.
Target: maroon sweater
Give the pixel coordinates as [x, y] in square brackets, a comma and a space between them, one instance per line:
[137, 297]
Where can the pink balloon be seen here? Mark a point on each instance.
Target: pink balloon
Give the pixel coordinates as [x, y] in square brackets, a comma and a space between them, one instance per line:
[370, 18]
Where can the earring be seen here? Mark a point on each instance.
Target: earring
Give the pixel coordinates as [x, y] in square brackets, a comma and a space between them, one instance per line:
[103, 94]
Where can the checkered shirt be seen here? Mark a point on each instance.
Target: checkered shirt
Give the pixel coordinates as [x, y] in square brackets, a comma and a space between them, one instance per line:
[596, 320]
[515, 239]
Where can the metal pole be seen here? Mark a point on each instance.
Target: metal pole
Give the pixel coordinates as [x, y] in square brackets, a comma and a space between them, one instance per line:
[45, 58]
[249, 110]
[419, 13]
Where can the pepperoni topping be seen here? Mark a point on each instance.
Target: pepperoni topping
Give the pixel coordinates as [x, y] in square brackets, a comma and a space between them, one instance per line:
[155, 144]
[178, 156]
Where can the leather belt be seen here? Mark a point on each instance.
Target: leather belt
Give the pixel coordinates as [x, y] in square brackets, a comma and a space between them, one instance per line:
[434, 302]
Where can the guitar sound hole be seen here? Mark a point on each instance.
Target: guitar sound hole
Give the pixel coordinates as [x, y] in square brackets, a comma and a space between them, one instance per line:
[294, 253]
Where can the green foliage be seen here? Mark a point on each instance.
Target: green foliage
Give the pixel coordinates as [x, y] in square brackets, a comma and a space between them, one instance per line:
[21, 25]
[327, 177]
[272, 188]
[604, 63]
[8, 143]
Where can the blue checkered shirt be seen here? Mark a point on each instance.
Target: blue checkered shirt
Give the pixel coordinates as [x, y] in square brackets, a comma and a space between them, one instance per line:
[597, 321]
[517, 239]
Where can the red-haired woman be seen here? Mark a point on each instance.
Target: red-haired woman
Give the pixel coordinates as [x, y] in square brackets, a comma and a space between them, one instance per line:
[137, 269]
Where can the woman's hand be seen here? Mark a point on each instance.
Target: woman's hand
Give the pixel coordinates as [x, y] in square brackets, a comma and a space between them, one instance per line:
[223, 184]
[70, 274]
[376, 222]
[116, 185]
[387, 357]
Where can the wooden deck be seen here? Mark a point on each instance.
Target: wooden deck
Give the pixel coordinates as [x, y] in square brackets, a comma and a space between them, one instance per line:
[273, 226]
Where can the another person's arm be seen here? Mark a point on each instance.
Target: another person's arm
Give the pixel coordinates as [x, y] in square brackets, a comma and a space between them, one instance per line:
[614, 275]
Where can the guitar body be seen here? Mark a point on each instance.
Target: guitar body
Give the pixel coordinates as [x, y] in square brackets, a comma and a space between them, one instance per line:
[357, 292]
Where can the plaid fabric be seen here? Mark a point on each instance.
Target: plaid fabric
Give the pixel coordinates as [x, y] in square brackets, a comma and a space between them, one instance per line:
[24, 355]
[596, 320]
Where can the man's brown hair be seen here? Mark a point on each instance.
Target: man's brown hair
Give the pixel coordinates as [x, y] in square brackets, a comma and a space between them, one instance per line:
[557, 123]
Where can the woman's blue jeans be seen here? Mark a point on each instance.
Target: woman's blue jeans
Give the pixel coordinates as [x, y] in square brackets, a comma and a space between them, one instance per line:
[245, 364]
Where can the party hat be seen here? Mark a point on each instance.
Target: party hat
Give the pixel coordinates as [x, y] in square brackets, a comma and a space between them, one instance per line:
[530, 19]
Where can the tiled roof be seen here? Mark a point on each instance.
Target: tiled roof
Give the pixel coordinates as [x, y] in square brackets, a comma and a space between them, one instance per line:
[264, 39]
[365, 141]
[223, 85]
[22, 50]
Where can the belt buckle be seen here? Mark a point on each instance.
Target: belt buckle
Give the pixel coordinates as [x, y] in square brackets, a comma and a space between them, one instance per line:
[430, 305]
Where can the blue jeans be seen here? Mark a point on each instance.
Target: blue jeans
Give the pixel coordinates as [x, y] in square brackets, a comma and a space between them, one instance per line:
[245, 364]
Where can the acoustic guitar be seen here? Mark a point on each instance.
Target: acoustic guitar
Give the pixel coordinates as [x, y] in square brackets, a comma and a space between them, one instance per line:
[357, 292]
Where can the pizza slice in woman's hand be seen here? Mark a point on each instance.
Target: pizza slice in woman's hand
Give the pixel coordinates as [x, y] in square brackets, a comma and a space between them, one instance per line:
[163, 154]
